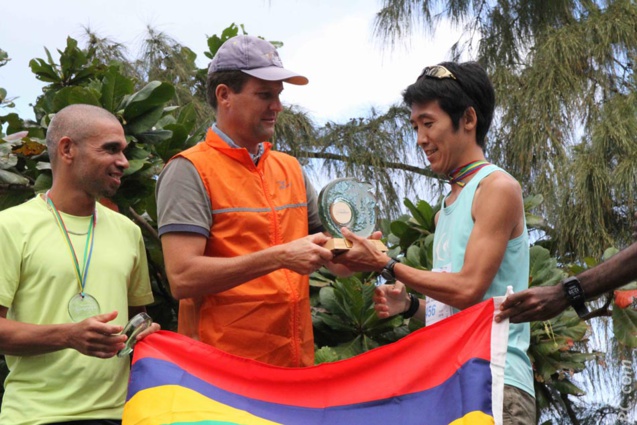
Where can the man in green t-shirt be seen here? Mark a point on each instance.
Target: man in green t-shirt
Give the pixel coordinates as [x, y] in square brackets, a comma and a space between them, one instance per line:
[71, 273]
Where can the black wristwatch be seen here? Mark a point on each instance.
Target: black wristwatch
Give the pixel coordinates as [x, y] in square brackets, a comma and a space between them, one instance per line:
[388, 271]
[414, 305]
[575, 295]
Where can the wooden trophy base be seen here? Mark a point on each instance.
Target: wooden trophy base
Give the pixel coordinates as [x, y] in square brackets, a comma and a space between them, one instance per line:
[339, 245]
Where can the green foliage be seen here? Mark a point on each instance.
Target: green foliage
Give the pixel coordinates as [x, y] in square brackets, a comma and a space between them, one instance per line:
[378, 149]
[345, 319]
[554, 351]
[325, 355]
[565, 129]
[567, 109]
[78, 77]
[625, 326]
[74, 68]
[622, 312]
[5, 102]
[414, 234]
[558, 346]
[4, 58]
[214, 41]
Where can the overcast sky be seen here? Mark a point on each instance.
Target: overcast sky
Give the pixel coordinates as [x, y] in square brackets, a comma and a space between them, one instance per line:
[329, 41]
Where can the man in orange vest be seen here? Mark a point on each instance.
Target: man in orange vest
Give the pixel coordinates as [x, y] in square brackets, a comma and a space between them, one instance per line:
[239, 222]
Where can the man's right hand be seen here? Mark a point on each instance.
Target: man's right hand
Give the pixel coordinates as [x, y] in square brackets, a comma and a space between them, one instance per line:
[96, 337]
[307, 255]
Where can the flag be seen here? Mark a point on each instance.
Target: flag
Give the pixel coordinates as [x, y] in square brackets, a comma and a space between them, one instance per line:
[451, 372]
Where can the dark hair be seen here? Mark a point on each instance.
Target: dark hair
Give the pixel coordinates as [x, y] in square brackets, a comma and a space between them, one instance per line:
[470, 88]
[234, 79]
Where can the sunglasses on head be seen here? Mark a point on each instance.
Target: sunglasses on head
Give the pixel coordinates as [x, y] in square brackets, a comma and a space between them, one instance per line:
[437, 71]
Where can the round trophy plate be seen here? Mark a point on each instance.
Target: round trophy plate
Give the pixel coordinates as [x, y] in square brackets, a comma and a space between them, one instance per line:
[134, 327]
[349, 203]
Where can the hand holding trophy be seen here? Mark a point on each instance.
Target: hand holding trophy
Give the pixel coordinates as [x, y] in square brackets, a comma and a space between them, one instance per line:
[347, 202]
[134, 327]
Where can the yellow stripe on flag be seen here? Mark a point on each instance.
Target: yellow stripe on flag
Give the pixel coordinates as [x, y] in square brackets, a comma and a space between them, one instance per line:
[172, 404]
[474, 418]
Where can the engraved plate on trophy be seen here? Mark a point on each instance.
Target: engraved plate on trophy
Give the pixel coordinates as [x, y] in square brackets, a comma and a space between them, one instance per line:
[349, 203]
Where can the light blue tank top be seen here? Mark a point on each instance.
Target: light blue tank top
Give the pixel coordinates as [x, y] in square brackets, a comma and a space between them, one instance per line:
[452, 235]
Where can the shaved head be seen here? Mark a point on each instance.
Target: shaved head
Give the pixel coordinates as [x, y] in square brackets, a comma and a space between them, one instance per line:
[74, 122]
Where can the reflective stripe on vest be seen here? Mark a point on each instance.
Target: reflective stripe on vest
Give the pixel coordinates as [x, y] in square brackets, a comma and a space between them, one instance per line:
[253, 207]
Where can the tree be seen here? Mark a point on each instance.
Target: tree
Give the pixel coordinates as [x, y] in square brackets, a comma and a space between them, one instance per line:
[4, 100]
[151, 127]
[378, 149]
[565, 125]
[164, 115]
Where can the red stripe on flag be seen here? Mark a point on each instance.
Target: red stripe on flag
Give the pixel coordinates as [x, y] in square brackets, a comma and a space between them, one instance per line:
[446, 345]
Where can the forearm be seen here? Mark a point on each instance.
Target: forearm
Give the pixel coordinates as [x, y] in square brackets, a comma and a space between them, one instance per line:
[459, 290]
[617, 271]
[203, 275]
[454, 289]
[24, 339]
[192, 273]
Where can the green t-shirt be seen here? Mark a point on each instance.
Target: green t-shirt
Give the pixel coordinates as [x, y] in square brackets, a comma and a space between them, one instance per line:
[37, 280]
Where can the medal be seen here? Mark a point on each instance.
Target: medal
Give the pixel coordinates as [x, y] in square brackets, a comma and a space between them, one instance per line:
[82, 305]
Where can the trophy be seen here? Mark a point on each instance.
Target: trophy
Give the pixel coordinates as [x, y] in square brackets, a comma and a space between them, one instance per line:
[134, 327]
[349, 203]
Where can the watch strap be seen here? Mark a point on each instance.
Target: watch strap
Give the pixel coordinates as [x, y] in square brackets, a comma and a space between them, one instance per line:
[580, 309]
[575, 295]
[414, 304]
[388, 270]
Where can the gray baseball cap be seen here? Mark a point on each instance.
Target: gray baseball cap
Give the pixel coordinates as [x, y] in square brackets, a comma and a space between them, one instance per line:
[255, 57]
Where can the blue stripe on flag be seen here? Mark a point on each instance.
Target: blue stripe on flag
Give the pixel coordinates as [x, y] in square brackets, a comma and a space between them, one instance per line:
[467, 390]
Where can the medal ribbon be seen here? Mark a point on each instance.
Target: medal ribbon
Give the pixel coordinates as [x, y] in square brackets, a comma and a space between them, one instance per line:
[88, 248]
[461, 173]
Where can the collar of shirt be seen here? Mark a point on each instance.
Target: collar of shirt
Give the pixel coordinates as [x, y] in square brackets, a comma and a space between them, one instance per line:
[255, 157]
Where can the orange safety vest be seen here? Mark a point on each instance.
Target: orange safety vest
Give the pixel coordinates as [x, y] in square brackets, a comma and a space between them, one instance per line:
[253, 207]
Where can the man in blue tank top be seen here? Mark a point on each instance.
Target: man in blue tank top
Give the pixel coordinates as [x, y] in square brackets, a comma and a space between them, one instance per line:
[481, 242]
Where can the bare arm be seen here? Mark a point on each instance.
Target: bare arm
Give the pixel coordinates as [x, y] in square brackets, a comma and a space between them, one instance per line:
[193, 274]
[92, 337]
[617, 271]
[498, 215]
[545, 302]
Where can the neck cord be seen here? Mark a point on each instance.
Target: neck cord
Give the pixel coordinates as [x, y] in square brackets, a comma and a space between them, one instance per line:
[456, 176]
[88, 248]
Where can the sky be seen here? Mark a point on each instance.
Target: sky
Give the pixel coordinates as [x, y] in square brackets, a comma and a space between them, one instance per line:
[329, 41]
